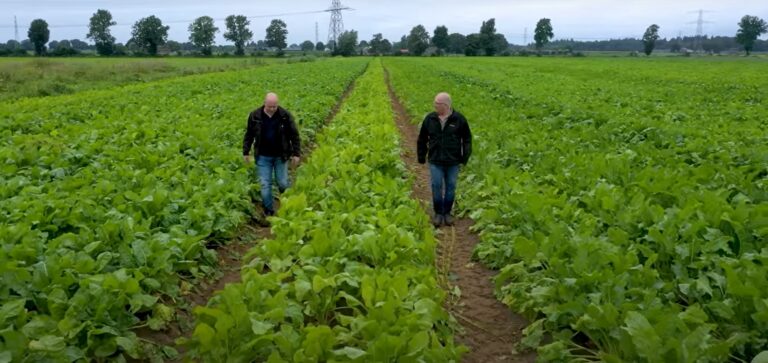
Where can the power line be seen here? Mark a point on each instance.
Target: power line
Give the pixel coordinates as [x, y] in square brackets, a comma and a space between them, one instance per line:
[15, 29]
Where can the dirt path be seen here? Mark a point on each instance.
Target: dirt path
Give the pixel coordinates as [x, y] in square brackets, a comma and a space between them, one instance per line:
[230, 263]
[491, 330]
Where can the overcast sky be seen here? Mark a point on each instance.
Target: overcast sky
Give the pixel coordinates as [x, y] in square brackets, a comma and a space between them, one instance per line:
[584, 20]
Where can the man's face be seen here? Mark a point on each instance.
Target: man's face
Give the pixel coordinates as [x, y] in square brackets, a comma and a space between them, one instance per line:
[440, 107]
[270, 106]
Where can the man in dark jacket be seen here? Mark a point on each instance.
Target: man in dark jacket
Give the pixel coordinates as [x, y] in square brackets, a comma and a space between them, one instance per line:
[446, 141]
[272, 132]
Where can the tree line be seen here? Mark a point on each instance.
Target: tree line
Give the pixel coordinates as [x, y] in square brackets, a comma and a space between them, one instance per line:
[149, 33]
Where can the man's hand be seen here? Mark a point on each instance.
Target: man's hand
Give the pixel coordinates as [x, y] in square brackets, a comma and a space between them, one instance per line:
[295, 160]
[247, 159]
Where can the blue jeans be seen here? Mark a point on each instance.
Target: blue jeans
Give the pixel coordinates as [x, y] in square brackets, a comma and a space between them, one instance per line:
[443, 187]
[266, 167]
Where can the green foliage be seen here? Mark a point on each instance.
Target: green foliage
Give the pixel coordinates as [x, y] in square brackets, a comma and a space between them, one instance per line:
[379, 45]
[347, 43]
[474, 45]
[440, 38]
[238, 32]
[418, 40]
[631, 219]
[149, 33]
[750, 27]
[110, 197]
[98, 31]
[543, 32]
[487, 40]
[649, 38]
[457, 43]
[307, 46]
[39, 34]
[202, 33]
[277, 32]
[349, 274]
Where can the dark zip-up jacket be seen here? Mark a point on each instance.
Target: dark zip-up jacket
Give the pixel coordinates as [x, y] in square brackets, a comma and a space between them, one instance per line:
[287, 132]
[449, 145]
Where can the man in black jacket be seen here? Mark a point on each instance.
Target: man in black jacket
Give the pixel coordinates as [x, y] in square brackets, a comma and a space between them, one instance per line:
[446, 141]
[272, 132]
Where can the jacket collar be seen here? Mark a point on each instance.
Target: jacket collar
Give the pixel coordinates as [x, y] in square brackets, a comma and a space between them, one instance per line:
[280, 111]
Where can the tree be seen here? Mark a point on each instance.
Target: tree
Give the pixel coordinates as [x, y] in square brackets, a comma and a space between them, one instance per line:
[440, 38]
[78, 44]
[148, 33]
[650, 37]
[320, 47]
[202, 33]
[307, 45]
[474, 45]
[500, 43]
[362, 46]
[237, 32]
[62, 44]
[12, 45]
[27, 45]
[402, 44]
[543, 32]
[39, 34]
[418, 40]
[457, 43]
[488, 39]
[347, 43]
[379, 45]
[98, 31]
[277, 32]
[750, 27]
[385, 47]
[173, 46]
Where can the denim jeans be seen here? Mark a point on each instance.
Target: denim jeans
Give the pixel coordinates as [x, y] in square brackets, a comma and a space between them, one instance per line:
[266, 167]
[443, 187]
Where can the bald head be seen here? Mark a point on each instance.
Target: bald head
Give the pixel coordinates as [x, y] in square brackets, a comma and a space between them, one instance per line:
[443, 97]
[270, 103]
[443, 104]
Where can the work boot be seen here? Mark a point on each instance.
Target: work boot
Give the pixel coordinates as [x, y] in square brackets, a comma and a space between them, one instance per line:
[437, 220]
[448, 219]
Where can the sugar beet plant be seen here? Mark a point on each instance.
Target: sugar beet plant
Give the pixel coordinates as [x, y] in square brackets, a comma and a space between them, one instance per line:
[349, 274]
[110, 197]
[624, 202]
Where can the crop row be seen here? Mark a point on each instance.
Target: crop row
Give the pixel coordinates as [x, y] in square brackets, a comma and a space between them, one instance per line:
[627, 211]
[349, 274]
[109, 200]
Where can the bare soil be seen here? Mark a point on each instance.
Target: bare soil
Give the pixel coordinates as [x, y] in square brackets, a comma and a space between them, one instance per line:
[229, 265]
[490, 329]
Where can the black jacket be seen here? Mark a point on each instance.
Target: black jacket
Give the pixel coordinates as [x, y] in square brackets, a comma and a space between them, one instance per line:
[451, 145]
[287, 132]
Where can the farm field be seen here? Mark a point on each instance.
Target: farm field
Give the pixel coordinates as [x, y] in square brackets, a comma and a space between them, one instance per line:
[25, 77]
[624, 202]
[621, 202]
[112, 198]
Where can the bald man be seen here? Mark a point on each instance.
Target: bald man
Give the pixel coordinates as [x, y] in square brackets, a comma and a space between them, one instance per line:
[446, 142]
[272, 132]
